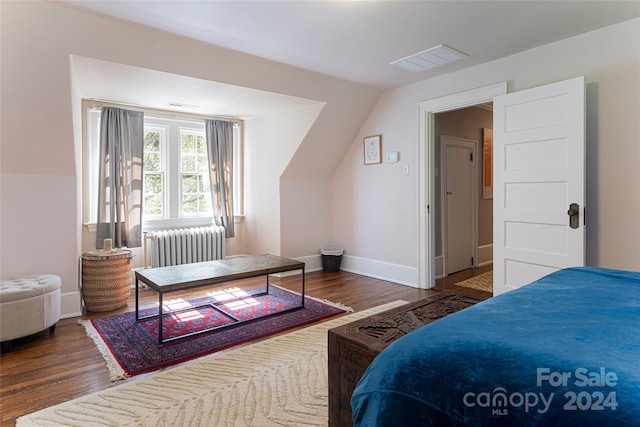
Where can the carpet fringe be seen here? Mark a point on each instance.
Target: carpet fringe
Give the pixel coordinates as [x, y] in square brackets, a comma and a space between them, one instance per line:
[116, 372]
[339, 305]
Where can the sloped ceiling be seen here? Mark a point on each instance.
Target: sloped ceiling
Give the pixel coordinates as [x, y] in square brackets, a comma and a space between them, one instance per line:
[126, 84]
[356, 40]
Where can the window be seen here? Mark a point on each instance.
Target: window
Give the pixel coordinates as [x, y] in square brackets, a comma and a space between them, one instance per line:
[176, 190]
[176, 172]
[194, 174]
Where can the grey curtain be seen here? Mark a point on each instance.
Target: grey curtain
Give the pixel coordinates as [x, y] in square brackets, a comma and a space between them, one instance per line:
[220, 152]
[120, 179]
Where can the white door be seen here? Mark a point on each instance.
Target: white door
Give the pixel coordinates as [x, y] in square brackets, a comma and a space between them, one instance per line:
[458, 190]
[538, 174]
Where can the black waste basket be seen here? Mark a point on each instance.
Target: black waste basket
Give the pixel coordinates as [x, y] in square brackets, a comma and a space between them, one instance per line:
[331, 259]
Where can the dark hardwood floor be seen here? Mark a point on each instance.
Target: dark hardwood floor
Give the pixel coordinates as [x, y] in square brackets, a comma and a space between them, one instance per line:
[46, 369]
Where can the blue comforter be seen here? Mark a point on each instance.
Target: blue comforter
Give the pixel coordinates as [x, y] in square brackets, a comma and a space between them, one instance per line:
[561, 351]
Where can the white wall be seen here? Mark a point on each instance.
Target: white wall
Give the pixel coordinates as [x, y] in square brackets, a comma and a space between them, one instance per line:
[306, 227]
[39, 232]
[378, 204]
[270, 143]
[41, 128]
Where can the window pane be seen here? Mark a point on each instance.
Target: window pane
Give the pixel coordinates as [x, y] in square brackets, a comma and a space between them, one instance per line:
[152, 183]
[203, 202]
[189, 184]
[196, 198]
[203, 164]
[188, 163]
[151, 141]
[188, 143]
[153, 205]
[190, 203]
[153, 201]
[151, 161]
[201, 144]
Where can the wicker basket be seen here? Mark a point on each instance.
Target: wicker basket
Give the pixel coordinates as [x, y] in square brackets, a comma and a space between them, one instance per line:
[106, 279]
[331, 259]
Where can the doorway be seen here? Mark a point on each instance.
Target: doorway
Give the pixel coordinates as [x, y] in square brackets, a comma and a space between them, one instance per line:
[427, 171]
[464, 127]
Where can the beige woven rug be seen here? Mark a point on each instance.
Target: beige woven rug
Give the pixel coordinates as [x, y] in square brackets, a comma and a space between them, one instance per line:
[281, 381]
[483, 282]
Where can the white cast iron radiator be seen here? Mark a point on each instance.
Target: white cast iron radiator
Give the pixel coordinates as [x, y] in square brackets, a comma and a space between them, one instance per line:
[185, 245]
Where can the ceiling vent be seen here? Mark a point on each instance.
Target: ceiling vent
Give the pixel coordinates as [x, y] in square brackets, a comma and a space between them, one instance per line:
[181, 105]
[428, 59]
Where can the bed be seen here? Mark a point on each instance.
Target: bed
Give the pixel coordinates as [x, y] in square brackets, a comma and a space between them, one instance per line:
[563, 350]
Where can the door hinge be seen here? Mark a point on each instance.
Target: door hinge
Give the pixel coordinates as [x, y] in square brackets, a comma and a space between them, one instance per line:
[471, 157]
[471, 261]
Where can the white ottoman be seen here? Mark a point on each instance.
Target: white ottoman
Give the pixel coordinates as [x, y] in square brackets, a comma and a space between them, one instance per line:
[28, 304]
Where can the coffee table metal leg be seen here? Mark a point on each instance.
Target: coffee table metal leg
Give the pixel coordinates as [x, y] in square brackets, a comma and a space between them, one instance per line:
[303, 287]
[160, 318]
[137, 312]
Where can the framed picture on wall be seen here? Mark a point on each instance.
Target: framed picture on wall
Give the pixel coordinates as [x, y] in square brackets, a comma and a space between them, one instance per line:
[487, 163]
[372, 149]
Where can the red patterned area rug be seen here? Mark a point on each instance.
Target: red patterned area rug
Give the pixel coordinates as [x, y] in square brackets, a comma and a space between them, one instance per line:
[131, 348]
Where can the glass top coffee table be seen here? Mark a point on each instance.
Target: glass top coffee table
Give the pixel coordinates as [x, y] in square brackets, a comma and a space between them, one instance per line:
[189, 276]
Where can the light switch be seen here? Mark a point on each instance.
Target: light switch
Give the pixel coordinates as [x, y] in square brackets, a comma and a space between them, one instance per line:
[406, 170]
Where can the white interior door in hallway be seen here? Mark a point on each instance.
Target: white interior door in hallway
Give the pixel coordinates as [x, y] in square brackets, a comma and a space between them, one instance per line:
[459, 182]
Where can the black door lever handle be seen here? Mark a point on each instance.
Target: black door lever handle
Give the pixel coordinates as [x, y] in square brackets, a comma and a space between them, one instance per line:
[574, 214]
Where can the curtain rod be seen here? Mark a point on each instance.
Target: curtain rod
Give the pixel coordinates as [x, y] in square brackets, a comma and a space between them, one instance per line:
[97, 104]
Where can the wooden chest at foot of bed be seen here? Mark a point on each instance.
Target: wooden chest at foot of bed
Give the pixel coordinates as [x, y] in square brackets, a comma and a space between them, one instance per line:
[353, 346]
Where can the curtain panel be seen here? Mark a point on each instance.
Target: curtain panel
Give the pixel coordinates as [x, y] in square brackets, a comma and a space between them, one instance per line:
[120, 178]
[220, 151]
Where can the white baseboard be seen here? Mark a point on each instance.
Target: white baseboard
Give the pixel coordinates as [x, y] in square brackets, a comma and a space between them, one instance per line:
[312, 262]
[439, 267]
[395, 273]
[70, 305]
[485, 255]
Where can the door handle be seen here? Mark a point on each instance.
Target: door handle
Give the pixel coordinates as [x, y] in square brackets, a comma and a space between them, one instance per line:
[574, 214]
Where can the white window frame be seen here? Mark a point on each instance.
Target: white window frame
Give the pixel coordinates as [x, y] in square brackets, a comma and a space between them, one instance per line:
[163, 131]
[186, 130]
[173, 217]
